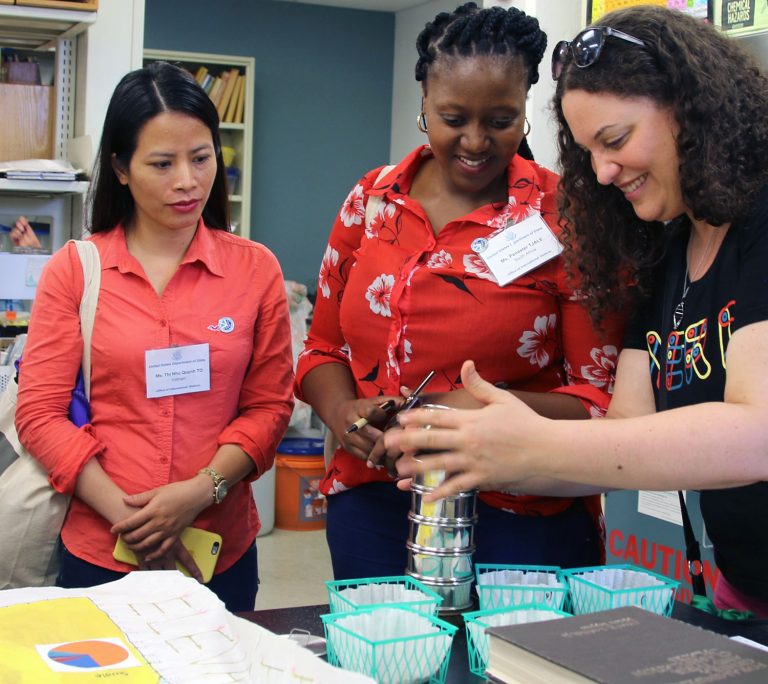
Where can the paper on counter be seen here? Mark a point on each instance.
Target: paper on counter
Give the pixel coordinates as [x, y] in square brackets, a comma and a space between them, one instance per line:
[187, 635]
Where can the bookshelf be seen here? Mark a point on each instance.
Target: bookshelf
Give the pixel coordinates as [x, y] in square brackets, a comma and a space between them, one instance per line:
[236, 131]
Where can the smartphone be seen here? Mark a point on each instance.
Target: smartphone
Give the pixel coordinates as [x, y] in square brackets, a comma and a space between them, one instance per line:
[204, 546]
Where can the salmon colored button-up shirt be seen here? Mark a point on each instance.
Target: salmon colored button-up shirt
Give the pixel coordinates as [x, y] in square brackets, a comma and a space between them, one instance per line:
[144, 443]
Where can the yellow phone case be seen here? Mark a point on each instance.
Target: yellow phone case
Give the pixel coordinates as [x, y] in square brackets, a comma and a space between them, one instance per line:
[204, 546]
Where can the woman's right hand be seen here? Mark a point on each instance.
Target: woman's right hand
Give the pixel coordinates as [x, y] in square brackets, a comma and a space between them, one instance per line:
[360, 442]
[167, 561]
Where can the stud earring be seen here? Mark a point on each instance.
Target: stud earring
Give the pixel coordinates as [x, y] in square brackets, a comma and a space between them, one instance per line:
[528, 124]
[421, 122]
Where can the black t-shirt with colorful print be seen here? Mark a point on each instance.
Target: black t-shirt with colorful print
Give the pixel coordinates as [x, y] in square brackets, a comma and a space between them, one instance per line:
[688, 366]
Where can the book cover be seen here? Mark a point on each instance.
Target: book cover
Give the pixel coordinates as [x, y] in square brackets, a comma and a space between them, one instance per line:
[218, 88]
[229, 114]
[239, 113]
[207, 83]
[231, 82]
[624, 645]
[200, 74]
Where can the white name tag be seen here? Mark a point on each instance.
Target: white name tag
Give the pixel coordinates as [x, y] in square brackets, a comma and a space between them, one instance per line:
[177, 370]
[520, 248]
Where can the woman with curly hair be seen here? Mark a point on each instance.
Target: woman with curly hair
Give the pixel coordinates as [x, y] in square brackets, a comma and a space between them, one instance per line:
[404, 290]
[663, 141]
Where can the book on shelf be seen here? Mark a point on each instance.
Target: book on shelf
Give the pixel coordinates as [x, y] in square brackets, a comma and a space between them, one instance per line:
[240, 112]
[216, 89]
[231, 81]
[229, 115]
[207, 83]
[201, 73]
[624, 645]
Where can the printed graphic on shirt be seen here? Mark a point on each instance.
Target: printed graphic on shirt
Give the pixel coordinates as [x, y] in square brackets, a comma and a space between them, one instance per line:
[686, 358]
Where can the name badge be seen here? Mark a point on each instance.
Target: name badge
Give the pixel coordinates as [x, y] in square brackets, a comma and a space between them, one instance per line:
[520, 248]
[177, 370]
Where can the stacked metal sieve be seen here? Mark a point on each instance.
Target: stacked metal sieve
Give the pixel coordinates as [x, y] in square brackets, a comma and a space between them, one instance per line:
[441, 541]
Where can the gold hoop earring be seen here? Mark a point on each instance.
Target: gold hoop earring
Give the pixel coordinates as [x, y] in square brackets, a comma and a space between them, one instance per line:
[421, 122]
[527, 123]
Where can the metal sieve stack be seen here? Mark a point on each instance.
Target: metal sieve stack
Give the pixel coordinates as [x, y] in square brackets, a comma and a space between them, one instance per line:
[441, 542]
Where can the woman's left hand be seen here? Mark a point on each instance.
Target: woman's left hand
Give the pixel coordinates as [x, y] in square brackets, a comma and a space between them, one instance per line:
[479, 448]
[164, 514]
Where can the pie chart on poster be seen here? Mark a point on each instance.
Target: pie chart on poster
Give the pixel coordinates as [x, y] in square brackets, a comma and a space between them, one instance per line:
[88, 654]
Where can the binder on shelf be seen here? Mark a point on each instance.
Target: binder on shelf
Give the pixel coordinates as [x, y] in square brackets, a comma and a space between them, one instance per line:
[216, 88]
[200, 74]
[207, 83]
[240, 105]
[229, 116]
[231, 81]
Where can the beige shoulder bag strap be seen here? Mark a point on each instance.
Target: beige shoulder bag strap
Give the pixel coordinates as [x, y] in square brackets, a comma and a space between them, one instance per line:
[89, 257]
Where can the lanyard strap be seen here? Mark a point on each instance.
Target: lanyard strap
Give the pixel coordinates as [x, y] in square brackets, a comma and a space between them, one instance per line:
[692, 548]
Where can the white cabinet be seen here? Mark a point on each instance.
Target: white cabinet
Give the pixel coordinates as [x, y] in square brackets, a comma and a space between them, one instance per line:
[237, 134]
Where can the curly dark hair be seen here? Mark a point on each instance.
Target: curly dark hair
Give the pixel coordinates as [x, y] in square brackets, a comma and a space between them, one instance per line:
[719, 99]
[470, 31]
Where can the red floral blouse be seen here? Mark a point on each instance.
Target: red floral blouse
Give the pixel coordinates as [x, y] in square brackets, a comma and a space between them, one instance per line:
[395, 301]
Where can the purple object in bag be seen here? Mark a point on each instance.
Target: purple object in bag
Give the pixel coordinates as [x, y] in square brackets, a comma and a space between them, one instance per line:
[79, 409]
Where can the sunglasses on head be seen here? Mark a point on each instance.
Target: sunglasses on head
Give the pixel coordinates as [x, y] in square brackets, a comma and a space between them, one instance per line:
[586, 47]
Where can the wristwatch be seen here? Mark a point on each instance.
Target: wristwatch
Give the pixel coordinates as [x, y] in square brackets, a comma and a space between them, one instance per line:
[220, 486]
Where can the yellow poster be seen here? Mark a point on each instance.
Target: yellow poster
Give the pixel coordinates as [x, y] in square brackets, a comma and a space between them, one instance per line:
[67, 640]
[597, 8]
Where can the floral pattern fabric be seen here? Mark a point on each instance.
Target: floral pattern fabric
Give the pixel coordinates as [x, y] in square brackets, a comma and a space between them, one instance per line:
[395, 301]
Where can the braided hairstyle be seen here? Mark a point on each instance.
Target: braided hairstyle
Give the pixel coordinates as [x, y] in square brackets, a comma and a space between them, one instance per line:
[469, 31]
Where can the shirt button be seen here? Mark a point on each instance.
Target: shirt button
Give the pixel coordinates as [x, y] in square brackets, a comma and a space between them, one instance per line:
[163, 324]
[163, 459]
[165, 412]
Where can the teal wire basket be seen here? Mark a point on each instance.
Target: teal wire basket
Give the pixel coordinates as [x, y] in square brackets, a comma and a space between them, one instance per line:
[604, 587]
[348, 595]
[392, 644]
[505, 586]
[477, 622]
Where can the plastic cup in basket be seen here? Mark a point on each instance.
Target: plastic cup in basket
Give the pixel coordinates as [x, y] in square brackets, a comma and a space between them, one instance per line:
[502, 586]
[348, 595]
[393, 644]
[477, 622]
[604, 587]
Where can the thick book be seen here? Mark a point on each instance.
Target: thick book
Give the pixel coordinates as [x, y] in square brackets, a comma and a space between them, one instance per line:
[229, 115]
[231, 82]
[620, 646]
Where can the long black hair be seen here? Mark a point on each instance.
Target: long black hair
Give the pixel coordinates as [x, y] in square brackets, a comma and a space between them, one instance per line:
[140, 96]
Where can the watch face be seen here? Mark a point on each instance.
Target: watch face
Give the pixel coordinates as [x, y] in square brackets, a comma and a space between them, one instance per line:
[221, 490]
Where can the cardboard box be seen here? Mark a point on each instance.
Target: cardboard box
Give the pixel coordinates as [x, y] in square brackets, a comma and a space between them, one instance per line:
[28, 111]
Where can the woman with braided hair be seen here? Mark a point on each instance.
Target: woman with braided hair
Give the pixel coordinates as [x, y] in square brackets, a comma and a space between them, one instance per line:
[411, 286]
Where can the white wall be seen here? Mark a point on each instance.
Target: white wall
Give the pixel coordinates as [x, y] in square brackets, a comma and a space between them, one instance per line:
[110, 48]
[406, 90]
[558, 18]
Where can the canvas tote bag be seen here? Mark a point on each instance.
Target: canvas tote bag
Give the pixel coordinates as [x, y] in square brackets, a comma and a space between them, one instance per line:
[31, 512]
